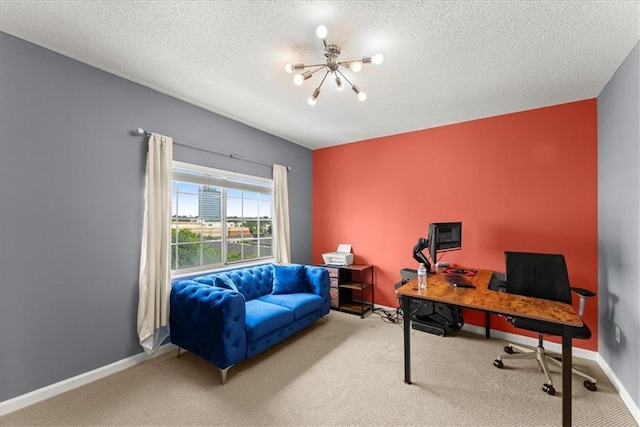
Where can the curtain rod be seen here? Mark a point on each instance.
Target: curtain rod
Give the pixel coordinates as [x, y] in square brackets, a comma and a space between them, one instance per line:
[141, 131]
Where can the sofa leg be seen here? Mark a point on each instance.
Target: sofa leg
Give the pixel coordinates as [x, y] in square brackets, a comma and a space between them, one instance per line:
[223, 374]
[179, 348]
[324, 320]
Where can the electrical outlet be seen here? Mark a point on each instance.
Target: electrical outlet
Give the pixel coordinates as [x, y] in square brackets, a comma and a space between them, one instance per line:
[618, 334]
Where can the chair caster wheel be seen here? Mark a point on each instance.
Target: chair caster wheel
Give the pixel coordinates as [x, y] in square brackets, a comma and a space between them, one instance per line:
[589, 385]
[508, 349]
[548, 388]
[498, 364]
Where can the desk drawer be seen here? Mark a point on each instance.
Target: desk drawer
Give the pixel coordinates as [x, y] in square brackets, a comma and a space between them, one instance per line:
[335, 297]
[333, 271]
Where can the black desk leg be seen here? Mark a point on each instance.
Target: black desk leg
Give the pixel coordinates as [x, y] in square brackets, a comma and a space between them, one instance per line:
[406, 313]
[567, 362]
[487, 325]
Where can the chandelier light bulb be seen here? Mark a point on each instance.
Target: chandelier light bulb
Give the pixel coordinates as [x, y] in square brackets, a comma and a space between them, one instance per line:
[321, 31]
[355, 66]
[312, 98]
[361, 95]
[377, 58]
[298, 79]
[288, 68]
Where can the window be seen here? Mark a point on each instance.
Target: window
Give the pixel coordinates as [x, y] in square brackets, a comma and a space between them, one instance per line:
[218, 218]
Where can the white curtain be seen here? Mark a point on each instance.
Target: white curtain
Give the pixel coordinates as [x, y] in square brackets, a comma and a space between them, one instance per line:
[155, 269]
[281, 215]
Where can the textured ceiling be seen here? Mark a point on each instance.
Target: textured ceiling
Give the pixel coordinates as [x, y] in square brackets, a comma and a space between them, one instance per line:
[444, 61]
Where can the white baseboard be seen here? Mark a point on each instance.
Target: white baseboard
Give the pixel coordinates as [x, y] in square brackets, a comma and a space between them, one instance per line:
[577, 351]
[43, 393]
[532, 342]
[555, 347]
[626, 398]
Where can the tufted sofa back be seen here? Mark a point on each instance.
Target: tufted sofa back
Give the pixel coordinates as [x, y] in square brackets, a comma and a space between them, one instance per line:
[252, 282]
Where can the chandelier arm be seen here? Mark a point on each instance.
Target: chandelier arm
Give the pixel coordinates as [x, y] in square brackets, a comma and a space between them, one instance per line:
[314, 65]
[325, 76]
[346, 63]
[344, 77]
[318, 69]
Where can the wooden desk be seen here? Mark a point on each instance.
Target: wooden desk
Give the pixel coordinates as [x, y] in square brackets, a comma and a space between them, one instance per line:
[481, 298]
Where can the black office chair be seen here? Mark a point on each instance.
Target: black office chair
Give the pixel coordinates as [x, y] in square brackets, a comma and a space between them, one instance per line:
[543, 276]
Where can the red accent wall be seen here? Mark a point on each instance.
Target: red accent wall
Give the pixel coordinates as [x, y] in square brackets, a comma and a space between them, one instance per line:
[525, 181]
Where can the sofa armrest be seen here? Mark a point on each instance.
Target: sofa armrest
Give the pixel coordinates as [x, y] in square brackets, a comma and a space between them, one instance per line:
[209, 322]
[318, 278]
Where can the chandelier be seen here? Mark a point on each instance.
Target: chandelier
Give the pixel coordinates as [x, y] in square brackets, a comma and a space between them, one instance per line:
[331, 65]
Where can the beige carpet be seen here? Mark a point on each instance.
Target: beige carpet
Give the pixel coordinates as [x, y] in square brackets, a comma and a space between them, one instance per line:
[347, 372]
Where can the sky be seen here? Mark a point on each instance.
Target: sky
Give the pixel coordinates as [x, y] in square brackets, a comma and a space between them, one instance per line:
[239, 203]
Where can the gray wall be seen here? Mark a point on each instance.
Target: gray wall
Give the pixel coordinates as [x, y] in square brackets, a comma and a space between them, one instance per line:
[619, 222]
[71, 202]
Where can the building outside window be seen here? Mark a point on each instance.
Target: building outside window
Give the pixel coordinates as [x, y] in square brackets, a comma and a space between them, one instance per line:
[218, 218]
[210, 207]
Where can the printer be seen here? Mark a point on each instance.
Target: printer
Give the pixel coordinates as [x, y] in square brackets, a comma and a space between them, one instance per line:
[342, 256]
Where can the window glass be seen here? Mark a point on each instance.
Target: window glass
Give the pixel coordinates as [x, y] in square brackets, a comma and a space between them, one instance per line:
[218, 218]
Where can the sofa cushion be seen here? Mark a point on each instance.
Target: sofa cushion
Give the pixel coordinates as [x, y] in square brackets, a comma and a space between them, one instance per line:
[222, 281]
[301, 304]
[263, 317]
[289, 279]
[252, 282]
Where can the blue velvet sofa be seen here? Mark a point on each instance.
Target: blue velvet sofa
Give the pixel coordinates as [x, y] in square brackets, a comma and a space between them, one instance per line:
[228, 316]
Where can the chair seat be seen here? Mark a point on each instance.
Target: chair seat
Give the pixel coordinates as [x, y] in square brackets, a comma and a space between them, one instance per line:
[583, 332]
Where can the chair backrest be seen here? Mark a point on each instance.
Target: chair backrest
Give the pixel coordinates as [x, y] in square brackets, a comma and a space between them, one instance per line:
[538, 275]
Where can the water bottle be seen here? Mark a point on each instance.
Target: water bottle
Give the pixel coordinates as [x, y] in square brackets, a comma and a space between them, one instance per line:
[422, 276]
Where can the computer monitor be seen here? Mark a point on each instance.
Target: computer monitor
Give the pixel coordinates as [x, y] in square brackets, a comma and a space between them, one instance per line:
[444, 236]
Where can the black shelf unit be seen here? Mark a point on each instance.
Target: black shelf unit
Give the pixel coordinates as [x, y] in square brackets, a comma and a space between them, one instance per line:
[352, 288]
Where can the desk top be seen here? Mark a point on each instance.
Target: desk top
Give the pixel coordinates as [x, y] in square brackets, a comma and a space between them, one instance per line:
[481, 298]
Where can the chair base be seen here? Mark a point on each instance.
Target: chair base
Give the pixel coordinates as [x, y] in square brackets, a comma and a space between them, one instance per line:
[542, 357]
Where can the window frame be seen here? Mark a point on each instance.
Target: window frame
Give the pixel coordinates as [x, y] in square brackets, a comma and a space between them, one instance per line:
[224, 180]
